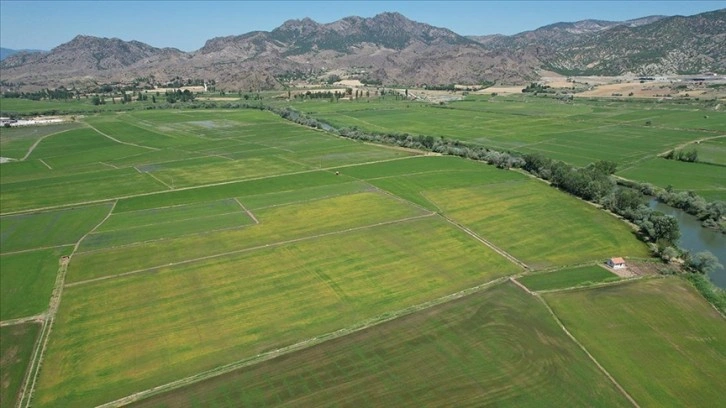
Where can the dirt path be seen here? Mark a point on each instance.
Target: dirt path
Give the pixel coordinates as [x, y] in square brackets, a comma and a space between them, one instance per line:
[28, 387]
[682, 145]
[304, 344]
[221, 183]
[524, 288]
[39, 318]
[590, 356]
[249, 213]
[45, 164]
[487, 243]
[255, 248]
[37, 142]
[119, 141]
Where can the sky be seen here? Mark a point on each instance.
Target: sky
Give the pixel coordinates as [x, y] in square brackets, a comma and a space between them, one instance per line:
[187, 25]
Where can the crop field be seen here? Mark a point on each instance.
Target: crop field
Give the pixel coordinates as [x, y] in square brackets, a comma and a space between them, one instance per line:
[659, 339]
[120, 335]
[567, 278]
[27, 280]
[15, 142]
[573, 132]
[497, 347]
[16, 346]
[525, 219]
[706, 180]
[712, 151]
[205, 239]
[48, 229]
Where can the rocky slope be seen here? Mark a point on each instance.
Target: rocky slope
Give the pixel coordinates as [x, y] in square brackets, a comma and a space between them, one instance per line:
[389, 48]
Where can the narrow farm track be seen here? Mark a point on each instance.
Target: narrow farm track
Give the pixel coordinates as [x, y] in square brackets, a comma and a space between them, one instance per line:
[487, 243]
[682, 145]
[26, 392]
[119, 141]
[39, 318]
[249, 213]
[302, 345]
[582, 347]
[255, 248]
[221, 183]
[37, 142]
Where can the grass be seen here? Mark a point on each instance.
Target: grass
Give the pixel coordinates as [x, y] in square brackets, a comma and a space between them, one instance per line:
[567, 278]
[537, 224]
[712, 151]
[277, 224]
[15, 142]
[659, 338]
[48, 229]
[498, 347]
[704, 179]
[122, 335]
[16, 346]
[27, 280]
[573, 132]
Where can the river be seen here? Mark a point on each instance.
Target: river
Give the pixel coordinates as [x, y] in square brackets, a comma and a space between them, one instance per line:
[695, 238]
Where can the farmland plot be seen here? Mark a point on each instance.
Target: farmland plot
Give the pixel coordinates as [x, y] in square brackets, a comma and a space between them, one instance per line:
[659, 338]
[497, 347]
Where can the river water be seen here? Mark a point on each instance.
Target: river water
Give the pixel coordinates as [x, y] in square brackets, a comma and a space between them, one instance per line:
[695, 238]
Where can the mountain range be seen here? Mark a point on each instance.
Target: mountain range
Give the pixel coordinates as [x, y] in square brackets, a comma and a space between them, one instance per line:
[389, 49]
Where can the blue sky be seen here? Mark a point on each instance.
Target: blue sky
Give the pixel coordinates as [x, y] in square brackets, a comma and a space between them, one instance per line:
[188, 24]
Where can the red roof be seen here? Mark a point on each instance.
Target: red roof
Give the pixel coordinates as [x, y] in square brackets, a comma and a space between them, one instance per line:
[617, 261]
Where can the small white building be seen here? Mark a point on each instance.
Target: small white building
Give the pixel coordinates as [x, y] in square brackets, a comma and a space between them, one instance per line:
[616, 263]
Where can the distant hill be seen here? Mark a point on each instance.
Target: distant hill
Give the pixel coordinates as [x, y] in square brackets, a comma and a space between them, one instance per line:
[388, 49]
[6, 52]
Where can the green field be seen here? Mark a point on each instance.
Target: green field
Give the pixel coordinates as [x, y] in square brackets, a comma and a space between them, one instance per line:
[204, 237]
[705, 180]
[574, 132]
[121, 335]
[659, 339]
[537, 224]
[495, 348]
[16, 346]
[48, 229]
[712, 151]
[27, 280]
[567, 278]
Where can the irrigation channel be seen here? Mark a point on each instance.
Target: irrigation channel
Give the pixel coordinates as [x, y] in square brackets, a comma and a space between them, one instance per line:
[696, 238]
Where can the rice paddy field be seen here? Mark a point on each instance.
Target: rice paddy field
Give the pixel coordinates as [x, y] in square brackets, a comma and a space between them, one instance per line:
[568, 278]
[576, 132]
[673, 358]
[16, 347]
[231, 258]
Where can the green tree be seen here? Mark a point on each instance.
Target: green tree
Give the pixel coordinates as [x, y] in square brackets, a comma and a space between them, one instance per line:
[704, 262]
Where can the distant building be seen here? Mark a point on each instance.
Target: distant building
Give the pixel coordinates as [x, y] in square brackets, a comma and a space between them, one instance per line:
[616, 263]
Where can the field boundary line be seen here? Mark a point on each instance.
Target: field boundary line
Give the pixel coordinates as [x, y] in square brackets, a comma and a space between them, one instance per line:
[216, 184]
[157, 179]
[39, 318]
[45, 164]
[37, 142]
[299, 346]
[119, 141]
[249, 213]
[28, 387]
[521, 286]
[34, 249]
[582, 347]
[250, 249]
[682, 145]
[109, 165]
[495, 248]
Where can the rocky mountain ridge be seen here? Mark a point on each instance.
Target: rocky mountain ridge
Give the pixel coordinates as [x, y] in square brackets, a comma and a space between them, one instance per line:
[387, 49]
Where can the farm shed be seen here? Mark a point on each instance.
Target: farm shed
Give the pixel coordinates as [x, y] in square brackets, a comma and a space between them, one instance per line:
[616, 263]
